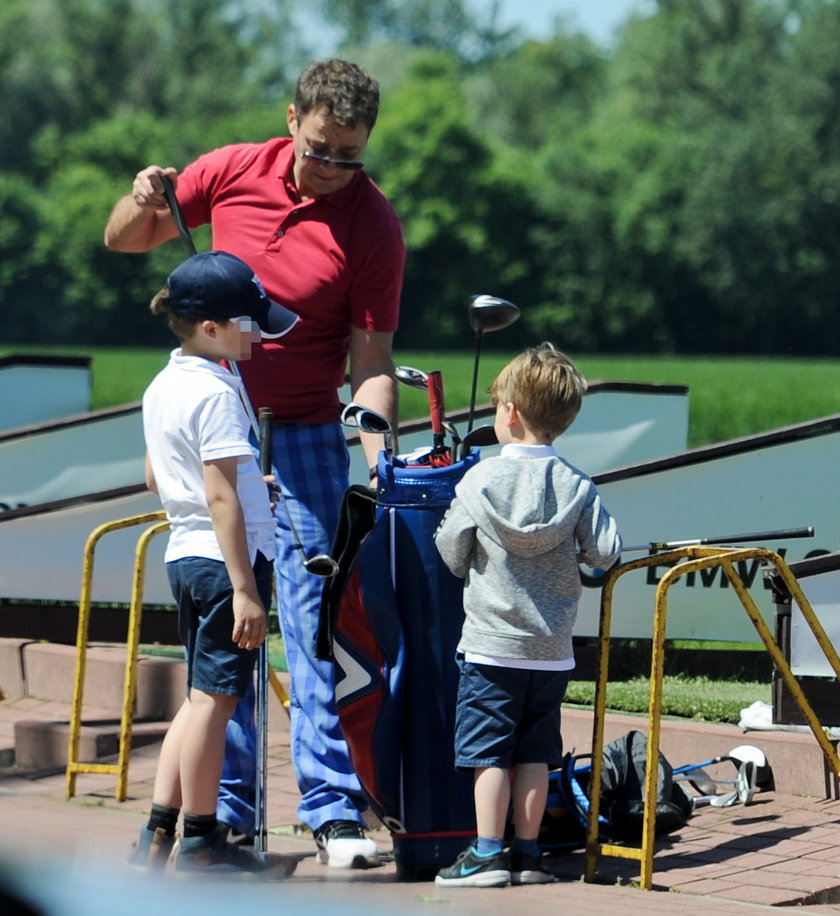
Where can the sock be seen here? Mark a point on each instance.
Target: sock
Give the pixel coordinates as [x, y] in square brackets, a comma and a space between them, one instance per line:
[488, 846]
[163, 816]
[529, 847]
[199, 824]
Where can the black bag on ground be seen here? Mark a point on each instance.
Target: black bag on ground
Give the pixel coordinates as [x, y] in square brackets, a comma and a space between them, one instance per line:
[623, 790]
[622, 806]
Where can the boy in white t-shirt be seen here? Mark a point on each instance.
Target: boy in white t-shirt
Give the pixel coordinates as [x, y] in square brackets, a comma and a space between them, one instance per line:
[220, 554]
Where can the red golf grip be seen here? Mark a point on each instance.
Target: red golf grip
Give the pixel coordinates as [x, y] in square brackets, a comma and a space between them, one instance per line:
[435, 382]
[266, 415]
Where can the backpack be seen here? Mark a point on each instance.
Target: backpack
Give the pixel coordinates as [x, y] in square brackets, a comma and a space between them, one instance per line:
[622, 803]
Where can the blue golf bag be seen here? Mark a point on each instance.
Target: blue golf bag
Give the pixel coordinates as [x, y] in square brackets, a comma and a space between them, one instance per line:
[391, 621]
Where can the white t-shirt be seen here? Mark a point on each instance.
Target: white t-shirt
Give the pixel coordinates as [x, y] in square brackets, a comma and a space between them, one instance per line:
[192, 412]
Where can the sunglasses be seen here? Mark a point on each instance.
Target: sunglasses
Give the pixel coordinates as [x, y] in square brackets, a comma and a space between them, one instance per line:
[350, 165]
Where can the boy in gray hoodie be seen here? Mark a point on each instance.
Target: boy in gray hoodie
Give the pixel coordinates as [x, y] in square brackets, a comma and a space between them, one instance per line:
[516, 530]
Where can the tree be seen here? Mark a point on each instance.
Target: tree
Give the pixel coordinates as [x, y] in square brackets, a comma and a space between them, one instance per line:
[465, 225]
[443, 25]
[712, 171]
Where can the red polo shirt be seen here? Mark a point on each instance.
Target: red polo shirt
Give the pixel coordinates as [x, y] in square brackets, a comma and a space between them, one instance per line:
[337, 261]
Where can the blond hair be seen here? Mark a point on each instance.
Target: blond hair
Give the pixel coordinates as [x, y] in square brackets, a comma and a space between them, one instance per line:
[546, 387]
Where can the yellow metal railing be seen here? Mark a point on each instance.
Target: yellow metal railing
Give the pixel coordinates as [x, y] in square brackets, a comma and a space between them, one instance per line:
[120, 769]
[687, 560]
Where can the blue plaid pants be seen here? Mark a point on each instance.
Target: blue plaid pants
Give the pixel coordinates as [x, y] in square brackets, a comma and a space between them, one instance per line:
[312, 466]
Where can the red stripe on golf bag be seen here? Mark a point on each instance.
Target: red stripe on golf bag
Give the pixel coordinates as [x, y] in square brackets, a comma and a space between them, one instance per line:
[368, 653]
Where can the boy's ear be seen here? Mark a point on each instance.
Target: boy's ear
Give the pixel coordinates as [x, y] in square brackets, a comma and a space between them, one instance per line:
[209, 327]
[513, 415]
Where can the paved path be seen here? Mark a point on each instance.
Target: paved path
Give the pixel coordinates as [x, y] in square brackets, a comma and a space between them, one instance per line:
[67, 856]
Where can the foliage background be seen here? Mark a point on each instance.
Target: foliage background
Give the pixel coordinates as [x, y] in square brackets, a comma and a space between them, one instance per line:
[676, 193]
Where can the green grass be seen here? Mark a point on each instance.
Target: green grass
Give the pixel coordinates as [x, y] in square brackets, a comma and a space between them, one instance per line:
[697, 698]
[728, 397]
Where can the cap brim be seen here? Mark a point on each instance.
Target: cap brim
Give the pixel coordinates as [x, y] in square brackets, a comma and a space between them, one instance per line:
[277, 322]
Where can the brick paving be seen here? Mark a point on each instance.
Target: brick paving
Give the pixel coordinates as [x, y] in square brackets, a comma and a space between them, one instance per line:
[780, 851]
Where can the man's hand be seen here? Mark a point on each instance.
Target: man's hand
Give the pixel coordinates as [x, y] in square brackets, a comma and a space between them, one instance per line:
[141, 220]
[147, 190]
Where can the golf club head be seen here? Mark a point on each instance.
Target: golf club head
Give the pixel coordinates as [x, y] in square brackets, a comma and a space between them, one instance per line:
[763, 772]
[724, 801]
[700, 780]
[480, 436]
[321, 565]
[414, 378]
[452, 429]
[365, 419]
[489, 313]
[745, 782]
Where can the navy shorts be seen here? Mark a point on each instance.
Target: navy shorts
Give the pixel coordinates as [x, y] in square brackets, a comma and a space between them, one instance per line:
[507, 716]
[204, 595]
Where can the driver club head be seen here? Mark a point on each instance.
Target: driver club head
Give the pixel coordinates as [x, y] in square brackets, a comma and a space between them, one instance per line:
[479, 436]
[490, 313]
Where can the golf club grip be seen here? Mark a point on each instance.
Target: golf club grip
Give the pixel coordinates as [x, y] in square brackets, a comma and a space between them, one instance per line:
[177, 214]
[436, 401]
[779, 534]
[266, 415]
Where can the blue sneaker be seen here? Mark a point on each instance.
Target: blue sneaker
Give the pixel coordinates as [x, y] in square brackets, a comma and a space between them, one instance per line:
[473, 870]
[214, 855]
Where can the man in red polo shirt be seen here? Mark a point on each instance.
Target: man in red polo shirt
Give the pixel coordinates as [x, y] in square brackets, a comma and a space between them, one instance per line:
[326, 243]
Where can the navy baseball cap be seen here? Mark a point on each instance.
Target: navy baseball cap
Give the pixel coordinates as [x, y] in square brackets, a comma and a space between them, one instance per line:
[215, 284]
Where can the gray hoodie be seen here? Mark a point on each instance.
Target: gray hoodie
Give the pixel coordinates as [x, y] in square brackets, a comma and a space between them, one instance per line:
[514, 531]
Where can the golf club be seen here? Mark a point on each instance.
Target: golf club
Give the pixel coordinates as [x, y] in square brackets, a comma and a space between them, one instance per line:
[440, 455]
[369, 421]
[320, 565]
[177, 214]
[261, 712]
[486, 313]
[414, 378]
[745, 788]
[480, 436]
[781, 534]
[597, 577]
[454, 435]
[752, 771]
[432, 382]
[699, 780]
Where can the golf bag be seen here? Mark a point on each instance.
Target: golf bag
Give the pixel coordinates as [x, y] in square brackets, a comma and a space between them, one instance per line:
[621, 809]
[391, 621]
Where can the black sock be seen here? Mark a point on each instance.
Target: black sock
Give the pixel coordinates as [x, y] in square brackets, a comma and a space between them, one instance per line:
[163, 816]
[199, 824]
